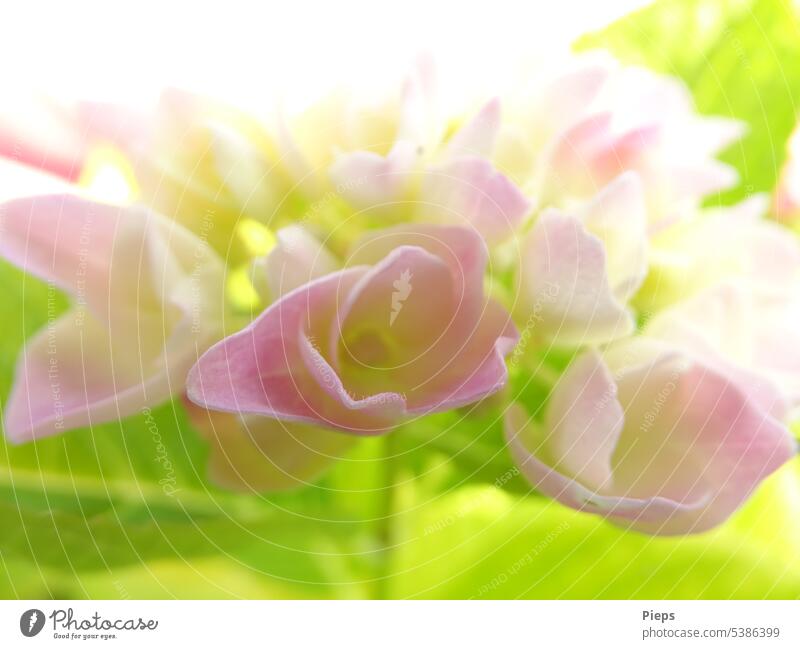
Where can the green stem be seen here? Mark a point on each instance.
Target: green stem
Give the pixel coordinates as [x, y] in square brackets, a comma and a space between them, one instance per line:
[385, 533]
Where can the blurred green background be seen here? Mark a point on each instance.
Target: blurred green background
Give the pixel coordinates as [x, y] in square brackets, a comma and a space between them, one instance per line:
[419, 513]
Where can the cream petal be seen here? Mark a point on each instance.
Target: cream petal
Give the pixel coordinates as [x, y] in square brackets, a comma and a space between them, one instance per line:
[148, 296]
[297, 258]
[260, 454]
[564, 281]
[478, 135]
[618, 217]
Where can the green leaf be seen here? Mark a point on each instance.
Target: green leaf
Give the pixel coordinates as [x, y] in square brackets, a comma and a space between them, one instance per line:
[482, 542]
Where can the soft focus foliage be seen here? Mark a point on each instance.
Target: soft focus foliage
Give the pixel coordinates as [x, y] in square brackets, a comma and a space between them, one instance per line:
[665, 264]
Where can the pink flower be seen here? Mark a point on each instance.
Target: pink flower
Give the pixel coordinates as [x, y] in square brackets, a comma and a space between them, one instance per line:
[592, 120]
[403, 330]
[663, 435]
[198, 161]
[744, 334]
[578, 268]
[346, 121]
[425, 177]
[147, 294]
[748, 249]
[57, 137]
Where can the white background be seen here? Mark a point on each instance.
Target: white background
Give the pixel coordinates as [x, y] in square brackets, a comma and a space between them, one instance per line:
[249, 51]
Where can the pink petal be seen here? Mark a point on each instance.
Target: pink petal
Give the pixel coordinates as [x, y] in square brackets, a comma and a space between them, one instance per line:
[645, 512]
[439, 354]
[51, 236]
[570, 159]
[752, 341]
[469, 190]
[584, 422]
[592, 153]
[388, 319]
[467, 363]
[462, 249]
[112, 123]
[57, 137]
[270, 368]
[473, 363]
[693, 446]
[21, 181]
[328, 380]
[71, 375]
[691, 433]
[39, 133]
[360, 349]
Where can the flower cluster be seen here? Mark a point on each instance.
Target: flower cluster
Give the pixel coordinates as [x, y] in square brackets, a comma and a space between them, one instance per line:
[308, 280]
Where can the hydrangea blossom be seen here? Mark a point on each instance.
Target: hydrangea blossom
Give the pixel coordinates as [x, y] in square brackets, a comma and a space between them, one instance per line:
[402, 256]
[145, 295]
[334, 352]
